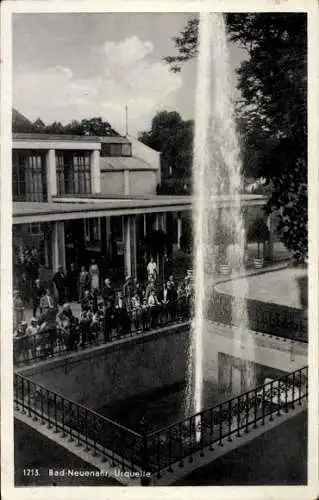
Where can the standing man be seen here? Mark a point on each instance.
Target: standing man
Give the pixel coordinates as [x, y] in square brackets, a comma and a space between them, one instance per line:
[84, 281]
[46, 303]
[38, 291]
[108, 292]
[18, 309]
[71, 279]
[127, 292]
[172, 298]
[150, 288]
[137, 290]
[59, 280]
[108, 322]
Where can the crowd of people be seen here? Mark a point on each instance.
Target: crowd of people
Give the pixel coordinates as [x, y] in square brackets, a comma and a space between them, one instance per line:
[106, 312]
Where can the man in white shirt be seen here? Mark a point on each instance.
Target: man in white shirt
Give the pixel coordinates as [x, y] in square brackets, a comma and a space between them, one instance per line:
[33, 340]
[152, 269]
[46, 302]
[153, 305]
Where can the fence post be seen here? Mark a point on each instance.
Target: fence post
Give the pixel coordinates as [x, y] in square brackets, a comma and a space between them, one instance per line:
[145, 481]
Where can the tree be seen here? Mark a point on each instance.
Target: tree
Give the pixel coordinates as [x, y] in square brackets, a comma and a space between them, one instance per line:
[98, 127]
[173, 137]
[39, 126]
[272, 111]
[72, 128]
[93, 126]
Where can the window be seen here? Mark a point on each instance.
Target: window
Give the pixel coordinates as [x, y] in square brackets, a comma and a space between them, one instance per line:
[74, 172]
[35, 229]
[117, 227]
[35, 239]
[28, 176]
[124, 149]
[92, 230]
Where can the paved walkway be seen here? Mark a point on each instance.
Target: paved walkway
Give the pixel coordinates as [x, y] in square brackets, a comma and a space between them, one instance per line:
[279, 287]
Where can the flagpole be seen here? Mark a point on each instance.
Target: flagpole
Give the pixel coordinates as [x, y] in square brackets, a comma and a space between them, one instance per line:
[126, 120]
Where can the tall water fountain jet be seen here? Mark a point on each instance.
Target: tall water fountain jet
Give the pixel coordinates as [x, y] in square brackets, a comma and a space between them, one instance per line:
[216, 175]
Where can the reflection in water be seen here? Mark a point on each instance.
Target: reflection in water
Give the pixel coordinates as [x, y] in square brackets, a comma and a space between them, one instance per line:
[166, 406]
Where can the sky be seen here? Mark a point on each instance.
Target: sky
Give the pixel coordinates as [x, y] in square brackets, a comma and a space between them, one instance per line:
[73, 66]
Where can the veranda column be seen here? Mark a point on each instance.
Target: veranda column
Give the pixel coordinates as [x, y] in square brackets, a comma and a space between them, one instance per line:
[156, 223]
[157, 227]
[162, 221]
[163, 228]
[62, 244]
[133, 245]
[144, 225]
[127, 246]
[108, 229]
[52, 187]
[55, 247]
[46, 253]
[58, 246]
[95, 172]
[179, 230]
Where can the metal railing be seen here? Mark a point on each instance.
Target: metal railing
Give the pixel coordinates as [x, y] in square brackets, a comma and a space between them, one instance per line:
[32, 348]
[163, 449]
[213, 427]
[275, 319]
[101, 436]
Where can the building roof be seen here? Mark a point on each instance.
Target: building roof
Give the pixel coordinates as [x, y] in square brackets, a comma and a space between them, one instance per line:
[23, 136]
[114, 139]
[56, 137]
[109, 197]
[90, 207]
[124, 163]
[27, 212]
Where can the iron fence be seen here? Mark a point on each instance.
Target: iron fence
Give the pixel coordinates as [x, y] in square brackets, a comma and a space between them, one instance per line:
[99, 435]
[32, 348]
[275, 319]
[211, 428]
[163, 449]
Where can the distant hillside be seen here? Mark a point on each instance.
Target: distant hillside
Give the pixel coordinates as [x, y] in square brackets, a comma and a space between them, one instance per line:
[20, 123]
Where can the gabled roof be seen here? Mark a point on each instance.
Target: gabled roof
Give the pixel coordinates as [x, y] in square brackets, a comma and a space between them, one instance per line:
[124, 163]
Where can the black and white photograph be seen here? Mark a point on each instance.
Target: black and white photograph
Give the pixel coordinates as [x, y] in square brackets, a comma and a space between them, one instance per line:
[159, 233]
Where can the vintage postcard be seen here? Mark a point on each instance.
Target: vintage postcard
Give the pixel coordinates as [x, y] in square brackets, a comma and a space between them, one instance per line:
[159, 249]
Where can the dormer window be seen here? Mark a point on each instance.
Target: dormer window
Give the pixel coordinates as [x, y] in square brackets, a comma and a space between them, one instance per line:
[116, 149]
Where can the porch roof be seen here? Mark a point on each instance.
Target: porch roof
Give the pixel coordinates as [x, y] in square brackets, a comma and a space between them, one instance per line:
[86, 207]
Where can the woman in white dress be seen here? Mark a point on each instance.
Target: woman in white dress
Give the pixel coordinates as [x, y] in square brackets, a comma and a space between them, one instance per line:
[94, 276]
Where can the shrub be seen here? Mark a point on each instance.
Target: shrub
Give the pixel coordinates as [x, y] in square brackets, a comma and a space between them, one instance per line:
[258, 233]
